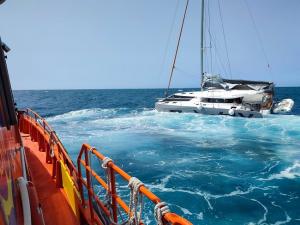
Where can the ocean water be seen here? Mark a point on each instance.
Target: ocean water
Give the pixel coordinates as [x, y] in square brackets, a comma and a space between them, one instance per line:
[209, 169]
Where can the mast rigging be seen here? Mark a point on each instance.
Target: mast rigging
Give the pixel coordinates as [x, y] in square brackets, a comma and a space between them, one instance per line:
[202, 44]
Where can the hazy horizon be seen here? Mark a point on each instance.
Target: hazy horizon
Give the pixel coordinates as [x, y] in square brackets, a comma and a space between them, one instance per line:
[71, 89]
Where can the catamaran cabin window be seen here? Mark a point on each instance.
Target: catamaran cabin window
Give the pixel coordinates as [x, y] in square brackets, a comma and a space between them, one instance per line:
[221, 100]
[178, 98]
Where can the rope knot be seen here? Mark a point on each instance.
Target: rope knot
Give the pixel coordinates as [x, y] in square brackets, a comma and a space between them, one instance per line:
[160, 210]
[135, 184]
[105, 162]
[92, 149]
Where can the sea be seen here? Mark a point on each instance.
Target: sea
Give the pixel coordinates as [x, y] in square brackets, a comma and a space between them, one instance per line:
[209, 169]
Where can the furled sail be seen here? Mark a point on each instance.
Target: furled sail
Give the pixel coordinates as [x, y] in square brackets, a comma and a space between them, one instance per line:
[217, 82]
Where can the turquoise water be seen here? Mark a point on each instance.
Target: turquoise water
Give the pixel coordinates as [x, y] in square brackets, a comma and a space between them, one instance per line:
[210, 169]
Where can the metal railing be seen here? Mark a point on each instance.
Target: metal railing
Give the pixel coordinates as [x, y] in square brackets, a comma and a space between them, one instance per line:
[40, 131]
[93, 208]
[83, 160]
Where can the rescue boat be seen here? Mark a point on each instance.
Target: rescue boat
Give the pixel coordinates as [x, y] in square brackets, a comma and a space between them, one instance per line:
[40, 184]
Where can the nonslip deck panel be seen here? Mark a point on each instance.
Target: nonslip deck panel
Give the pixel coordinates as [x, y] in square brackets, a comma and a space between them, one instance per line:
[56, 208]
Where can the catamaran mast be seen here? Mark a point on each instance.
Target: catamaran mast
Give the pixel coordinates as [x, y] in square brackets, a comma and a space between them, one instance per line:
[202, 44]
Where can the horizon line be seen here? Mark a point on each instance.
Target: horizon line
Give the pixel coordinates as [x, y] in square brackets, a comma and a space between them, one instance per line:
[150, 88]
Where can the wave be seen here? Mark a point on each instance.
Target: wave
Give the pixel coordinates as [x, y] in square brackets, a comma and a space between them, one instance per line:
[274, 136]
[287, 217]
[185, 211]
[280, 124]
[92, 114]
[148, 121]
[181, 150]
[291, 172]
[207, 196]
[263, 220]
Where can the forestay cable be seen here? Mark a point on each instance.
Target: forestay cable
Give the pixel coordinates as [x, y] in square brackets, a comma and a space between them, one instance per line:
[258, 36]
[224, 36]
[168, 40]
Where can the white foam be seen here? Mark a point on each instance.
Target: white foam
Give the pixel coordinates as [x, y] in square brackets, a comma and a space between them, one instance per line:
[205, 195]
[287, 217]
[185, 211]
[200, 216]
[145, 119]
[291, 172]
[203, 130]
[262, 220]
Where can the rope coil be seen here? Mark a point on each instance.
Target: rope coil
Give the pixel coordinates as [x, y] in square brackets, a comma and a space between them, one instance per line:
[135, 202]
[160, 210]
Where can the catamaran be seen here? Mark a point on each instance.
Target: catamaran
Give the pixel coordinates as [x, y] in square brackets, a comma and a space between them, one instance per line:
[219, 96]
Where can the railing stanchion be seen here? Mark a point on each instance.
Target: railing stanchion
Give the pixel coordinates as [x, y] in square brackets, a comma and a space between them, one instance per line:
[58, 175]
[114, 194]
[88, 181]
[54, 168]
[80, 185]
[44, 126]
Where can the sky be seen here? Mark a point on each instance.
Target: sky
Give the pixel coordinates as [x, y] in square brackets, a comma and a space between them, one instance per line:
[96, 44]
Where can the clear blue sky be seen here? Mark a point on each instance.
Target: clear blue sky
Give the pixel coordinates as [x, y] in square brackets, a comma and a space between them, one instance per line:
[122, 44]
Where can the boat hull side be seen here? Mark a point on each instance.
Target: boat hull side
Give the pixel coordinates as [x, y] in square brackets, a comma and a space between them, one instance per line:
[161, 107]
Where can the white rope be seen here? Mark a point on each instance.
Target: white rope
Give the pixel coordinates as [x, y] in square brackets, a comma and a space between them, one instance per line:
[105, 162]
[160, 210]
[104, 165]
[136, 200]
[51, 143]
[92, 149]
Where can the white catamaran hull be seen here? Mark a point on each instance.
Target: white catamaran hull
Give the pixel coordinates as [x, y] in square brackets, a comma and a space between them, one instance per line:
[240, 103]
[208, 109]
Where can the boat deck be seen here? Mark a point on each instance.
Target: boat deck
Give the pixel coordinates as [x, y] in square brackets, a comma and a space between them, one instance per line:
[53, 200]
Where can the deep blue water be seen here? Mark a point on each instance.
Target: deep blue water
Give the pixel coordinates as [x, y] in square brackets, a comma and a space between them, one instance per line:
[210, 169]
